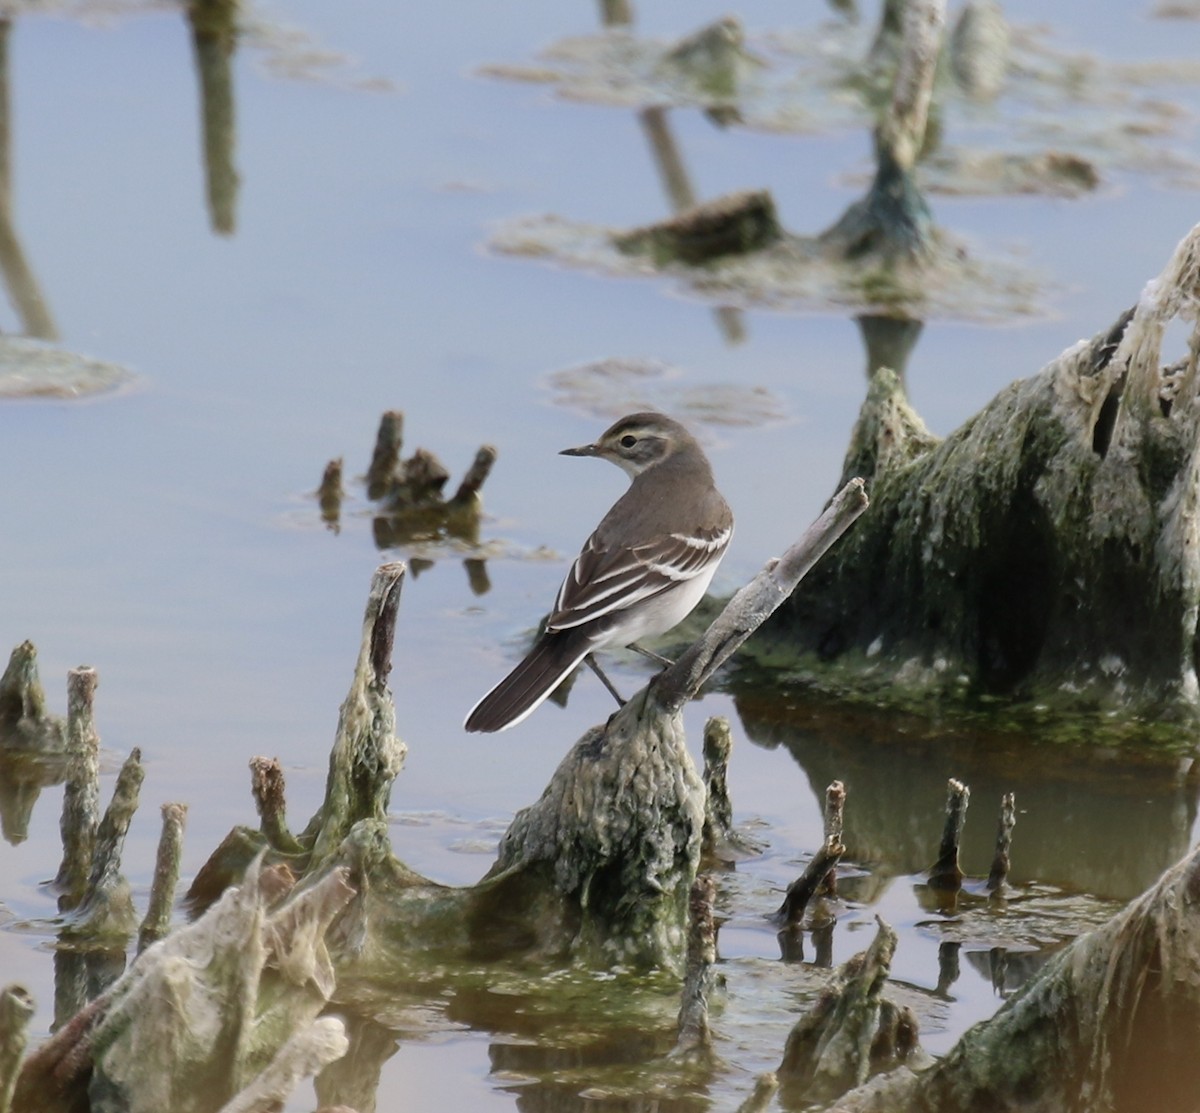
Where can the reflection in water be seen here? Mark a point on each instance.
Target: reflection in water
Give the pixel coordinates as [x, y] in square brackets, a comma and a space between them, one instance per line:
[214, 40]
[889, 342]
[678, 187]
[353, 1080]
[616, 13]
[1107, 827]
[81, 975]
[22, 778]
[23, 287]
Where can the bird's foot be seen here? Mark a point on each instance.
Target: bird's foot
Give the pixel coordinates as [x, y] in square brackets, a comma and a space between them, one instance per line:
[612, 691]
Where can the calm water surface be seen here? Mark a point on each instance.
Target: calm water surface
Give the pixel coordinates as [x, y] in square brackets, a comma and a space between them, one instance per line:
[165, 534]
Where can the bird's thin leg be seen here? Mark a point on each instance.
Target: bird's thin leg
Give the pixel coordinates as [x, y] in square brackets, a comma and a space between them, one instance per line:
[651, 654]
[595, 666]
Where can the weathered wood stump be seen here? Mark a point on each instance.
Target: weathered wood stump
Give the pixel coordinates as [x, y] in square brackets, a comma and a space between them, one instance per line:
[1047, 552]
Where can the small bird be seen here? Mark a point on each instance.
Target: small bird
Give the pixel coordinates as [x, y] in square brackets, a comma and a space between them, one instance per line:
[641, 572]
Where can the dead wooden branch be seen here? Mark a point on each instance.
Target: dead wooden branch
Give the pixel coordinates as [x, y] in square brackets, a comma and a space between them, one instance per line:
[802, 890]
[1002, 860]
[755, 602]
[105, 909]
[835, 810]
[157, 921]
[33, 742]
[364, 761]
[946, 873]
[385, 460]
[81, 795]
[367, 754]
[267, 787]
[892, 223]
[330, 494]
[25, 722]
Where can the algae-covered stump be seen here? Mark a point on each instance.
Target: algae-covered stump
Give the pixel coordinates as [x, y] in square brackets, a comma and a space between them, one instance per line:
[1046, 552]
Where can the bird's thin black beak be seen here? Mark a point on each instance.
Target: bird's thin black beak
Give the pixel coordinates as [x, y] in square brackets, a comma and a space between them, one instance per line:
[582, 450]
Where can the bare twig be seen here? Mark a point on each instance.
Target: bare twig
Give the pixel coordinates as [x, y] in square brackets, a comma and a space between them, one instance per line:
[835, 805]
[385, 461]
[330, 493]
[946, 872]
[1002, 860]
[749, 608]
[107, 904]
[267, 786]
[477, 473]
[801, 891]
[157, 921]
[367, 755]
[81, 795]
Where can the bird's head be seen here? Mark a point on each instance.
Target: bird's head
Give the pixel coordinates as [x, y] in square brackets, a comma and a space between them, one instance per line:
[637, 442]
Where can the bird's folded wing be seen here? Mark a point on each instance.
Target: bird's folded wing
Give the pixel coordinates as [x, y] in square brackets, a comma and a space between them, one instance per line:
[603, 581]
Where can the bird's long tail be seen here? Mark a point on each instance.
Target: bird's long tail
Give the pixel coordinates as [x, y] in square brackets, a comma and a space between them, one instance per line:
[547, 664]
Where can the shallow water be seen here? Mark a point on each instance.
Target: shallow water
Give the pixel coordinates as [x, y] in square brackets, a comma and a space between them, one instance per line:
[165, 533]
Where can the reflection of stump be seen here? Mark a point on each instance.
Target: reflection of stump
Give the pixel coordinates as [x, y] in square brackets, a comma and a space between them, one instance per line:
[1048, 550]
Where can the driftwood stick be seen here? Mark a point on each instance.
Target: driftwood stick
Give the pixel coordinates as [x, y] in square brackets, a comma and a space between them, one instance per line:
[331, 492]
[385, 461]
[835, 807]
[946, 872]
[367, 755]
[477, 474]
[107, 905]
[25, 722]
[694, 1035]
[16, 1008]
[21, 693]
[81, 795]
[157, 921]
[718, 808]
[267, 787]
[1001, 862]
[801, 891]
[749, 608]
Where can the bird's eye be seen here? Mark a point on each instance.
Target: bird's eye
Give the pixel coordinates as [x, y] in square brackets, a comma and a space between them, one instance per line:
[628, 441]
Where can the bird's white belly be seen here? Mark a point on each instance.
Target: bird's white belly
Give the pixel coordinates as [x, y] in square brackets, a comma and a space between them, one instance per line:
[658, 615]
